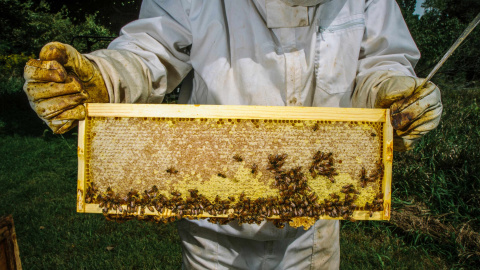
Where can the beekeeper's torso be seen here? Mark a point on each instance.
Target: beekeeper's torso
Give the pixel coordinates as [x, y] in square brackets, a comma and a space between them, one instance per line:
[259, 52]
[264, 52]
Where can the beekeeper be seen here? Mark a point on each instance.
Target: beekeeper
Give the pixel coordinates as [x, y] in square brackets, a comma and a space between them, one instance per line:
[325, 53]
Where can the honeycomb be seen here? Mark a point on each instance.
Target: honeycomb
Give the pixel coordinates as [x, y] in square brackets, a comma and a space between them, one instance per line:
[227, 161]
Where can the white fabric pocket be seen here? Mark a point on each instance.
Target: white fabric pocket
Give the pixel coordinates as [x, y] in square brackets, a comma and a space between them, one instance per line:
[337, 51]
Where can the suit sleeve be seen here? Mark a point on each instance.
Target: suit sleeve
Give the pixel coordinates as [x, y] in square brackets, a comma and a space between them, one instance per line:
[150, 57]
[387, 50]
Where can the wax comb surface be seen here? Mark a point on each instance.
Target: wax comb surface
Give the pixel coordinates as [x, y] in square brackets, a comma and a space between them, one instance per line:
[242, 163]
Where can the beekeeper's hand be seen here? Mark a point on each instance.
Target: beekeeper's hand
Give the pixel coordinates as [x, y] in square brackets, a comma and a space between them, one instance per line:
[59, 83]
[414, 111]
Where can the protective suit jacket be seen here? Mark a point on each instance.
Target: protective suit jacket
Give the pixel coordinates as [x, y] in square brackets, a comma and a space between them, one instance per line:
[259, 52]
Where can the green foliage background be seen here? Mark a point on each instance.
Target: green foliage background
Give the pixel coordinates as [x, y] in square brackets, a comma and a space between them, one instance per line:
[26, 27]
[437, 30]
[38, 169]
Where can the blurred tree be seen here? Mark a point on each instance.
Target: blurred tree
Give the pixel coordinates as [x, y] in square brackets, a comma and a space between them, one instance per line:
[26, 27]
[454, 16]
[438, 28]
[444, 21]
[111, 13]
[407, 6]
[464, 10]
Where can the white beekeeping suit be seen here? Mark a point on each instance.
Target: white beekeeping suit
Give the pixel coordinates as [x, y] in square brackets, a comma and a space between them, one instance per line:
[259, 52]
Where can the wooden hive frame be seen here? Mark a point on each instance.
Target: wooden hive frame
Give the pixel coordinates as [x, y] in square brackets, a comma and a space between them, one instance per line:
[104, 122]
[9, 252]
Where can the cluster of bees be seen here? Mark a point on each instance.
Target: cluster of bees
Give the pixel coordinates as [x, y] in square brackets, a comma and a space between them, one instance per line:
[323, 164]
[249, 211]
[374, 176]
[296, 198]
[125, 205]
[376, 205]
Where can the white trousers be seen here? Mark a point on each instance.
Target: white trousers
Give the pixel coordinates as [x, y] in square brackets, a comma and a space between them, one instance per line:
[210, 246]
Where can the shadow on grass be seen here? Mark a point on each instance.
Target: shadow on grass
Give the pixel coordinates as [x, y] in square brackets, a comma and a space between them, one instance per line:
[18, 118]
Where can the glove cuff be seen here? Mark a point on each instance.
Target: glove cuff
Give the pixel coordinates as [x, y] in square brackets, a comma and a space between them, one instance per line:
[95, 87]
[368, 86]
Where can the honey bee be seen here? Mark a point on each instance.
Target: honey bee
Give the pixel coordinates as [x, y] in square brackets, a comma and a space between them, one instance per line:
[222, 175]
[176, 193]
[93, 187]
[276, 161]
[363, 177]
[224, 221]
[334, 196]
[99, 198]
[193, 192]
[110, 192]
[238, 158]
[378, 172]
[171, 170]
[323, 165]
[331, 179]
[315, 126]
[254, 168]
[318, 156]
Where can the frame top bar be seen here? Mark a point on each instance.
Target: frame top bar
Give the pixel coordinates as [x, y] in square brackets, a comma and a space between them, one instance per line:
[235, 111]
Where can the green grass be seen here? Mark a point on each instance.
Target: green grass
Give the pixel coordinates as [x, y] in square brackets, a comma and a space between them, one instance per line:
[38, 188]
[442, 170]
[377, 245]
[38, 184]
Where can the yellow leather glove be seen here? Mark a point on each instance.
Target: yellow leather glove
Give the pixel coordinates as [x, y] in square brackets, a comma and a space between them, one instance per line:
[59, 83]
[414, 111]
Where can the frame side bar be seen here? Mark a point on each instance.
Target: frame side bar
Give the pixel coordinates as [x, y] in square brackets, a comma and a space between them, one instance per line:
[387, 163]
[81, 188]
